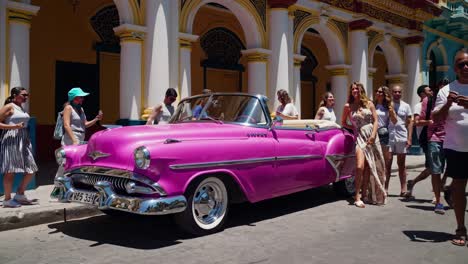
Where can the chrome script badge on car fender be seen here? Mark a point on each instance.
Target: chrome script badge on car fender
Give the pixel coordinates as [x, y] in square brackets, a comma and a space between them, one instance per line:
[97, 155]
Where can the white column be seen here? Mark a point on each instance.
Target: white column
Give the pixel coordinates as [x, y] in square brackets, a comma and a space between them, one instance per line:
[279, 60]
[131, 83]
[161, 62]
[185, 78]
[370, 82]
[413, 68]
[298, 59]
[3, 27]
[257, 70]
[340, 87]
[19, 23]
[359, 51]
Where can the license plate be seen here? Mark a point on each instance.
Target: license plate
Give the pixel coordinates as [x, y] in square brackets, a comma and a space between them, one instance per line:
[85, 197]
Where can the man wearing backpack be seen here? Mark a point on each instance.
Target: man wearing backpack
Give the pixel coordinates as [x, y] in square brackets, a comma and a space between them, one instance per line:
[421, 122]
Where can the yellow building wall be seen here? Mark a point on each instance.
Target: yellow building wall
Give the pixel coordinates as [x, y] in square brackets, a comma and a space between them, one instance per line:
[58, 33]
[380, 63]
[317, 46]
[206, 19]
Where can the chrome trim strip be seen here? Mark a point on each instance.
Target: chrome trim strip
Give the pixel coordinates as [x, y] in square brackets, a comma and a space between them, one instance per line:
[108, 199]
[98, 155]
[118, 173]
[337, 157]
[214, 164]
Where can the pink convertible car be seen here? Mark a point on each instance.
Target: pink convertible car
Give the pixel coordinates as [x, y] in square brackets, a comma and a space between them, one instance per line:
[217, 150]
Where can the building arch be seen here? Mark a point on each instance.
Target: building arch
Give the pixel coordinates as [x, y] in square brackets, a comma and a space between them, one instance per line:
[439, 51]
[129, 12]
[244, 12]
[331, 35]
[393, 53]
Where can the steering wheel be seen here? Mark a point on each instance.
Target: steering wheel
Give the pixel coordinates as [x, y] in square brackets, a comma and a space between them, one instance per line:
[246, 118]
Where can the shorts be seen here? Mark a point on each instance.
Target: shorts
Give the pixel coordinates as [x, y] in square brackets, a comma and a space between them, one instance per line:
[456, 167]
[398, 147]
[436, 157]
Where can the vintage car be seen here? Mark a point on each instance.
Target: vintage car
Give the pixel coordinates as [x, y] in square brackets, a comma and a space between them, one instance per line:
[218, 149]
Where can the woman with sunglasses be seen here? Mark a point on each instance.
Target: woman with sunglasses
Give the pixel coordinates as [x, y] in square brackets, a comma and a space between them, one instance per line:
[16, 148]
[325, 111]
[385, 115]
[163, 112]
[74, 118]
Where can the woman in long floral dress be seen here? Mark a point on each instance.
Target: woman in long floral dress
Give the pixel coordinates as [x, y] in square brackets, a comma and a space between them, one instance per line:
[361, 111]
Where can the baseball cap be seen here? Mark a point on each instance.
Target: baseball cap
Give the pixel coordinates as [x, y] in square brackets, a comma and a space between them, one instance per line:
[74, 92]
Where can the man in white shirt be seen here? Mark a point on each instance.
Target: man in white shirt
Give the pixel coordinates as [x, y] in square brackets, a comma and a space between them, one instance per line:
[452, 106]
[400, 135]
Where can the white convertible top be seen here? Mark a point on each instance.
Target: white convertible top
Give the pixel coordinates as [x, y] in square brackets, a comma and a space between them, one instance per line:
[310, 123]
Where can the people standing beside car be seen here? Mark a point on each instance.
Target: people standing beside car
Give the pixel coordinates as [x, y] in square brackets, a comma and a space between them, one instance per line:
[400, 136]
[286, 110]
[452, 106]
[385, 114]
[363, 116]
[325, 111]
[16, 148]
[74, 118]
[163, 112]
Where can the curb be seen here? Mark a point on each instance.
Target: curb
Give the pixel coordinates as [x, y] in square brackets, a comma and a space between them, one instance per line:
[22, 219]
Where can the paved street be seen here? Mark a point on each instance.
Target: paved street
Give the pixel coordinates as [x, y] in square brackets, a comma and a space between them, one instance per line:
[309, 227]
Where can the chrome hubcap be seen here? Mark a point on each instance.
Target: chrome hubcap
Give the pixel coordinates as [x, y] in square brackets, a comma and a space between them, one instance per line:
[209, 202]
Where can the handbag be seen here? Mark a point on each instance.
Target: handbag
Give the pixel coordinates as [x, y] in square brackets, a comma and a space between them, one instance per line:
[384, 136]
[58, 131]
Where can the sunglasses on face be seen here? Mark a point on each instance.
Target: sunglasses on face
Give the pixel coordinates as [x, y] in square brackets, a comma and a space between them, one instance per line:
[397, 92]
[462, 65]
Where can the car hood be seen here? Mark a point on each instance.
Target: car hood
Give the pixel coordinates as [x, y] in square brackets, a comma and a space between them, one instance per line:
[119, 143]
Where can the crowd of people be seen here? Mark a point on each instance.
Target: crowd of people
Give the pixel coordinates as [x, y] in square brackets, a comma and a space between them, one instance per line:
[383, 128]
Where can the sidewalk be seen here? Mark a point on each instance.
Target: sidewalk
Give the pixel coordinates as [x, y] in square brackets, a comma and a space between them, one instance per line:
[48, 210]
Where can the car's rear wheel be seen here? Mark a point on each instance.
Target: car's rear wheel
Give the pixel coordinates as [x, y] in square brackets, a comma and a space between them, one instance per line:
[207, 207]
[345, 188]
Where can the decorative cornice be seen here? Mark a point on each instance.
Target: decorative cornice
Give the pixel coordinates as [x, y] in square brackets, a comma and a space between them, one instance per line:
[130, 32]
[445, 35]
[186, 40]
[396, 78]
[371, 72]
[338, 70]
[20, 12]
[281, 3]
[414, 40]
[298, 59]
[361, 24]
[256, 55]
[443, 68]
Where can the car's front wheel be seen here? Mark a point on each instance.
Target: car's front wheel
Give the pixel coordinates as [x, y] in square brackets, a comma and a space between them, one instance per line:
[345, 188]
[207, 207]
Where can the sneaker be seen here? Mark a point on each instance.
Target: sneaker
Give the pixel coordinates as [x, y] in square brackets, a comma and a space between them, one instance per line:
[439, 209]
[22, 199]
[11, 204]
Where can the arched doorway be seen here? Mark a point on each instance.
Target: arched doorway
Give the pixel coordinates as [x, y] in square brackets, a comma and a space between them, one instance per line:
[380, 64]
[222, 50]
[314, 76]
[216, 59]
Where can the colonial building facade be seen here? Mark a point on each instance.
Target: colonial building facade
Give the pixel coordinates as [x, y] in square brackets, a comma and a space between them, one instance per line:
[444, 36]
[128, 52]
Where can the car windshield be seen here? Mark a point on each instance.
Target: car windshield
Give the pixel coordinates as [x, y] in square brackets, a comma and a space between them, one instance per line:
[241, 109]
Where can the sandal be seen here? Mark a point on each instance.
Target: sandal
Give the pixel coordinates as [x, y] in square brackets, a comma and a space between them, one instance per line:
[359, 204]
[460, 238]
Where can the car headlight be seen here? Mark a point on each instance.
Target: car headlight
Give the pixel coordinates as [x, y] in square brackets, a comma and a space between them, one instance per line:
[142, 157]
[60, 156]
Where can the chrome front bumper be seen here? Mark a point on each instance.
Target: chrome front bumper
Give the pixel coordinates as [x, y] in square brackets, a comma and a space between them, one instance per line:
[108, 199]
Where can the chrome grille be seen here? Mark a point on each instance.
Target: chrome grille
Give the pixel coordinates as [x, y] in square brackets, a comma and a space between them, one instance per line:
[87, 181]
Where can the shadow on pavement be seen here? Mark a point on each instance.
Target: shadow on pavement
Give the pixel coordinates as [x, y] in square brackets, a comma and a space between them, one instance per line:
[153, 232]
[428, 236]
[425, 208]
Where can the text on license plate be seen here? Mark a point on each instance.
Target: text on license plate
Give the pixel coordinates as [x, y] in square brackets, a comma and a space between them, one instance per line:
[85, 197]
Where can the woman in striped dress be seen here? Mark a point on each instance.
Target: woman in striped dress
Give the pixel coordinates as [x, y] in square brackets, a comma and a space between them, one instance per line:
[15, 147]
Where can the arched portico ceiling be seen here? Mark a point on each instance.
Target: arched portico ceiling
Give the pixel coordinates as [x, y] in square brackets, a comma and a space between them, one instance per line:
[244, 11]
[391, 49]
[129, 11]
[440, 52]
[330, 33]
